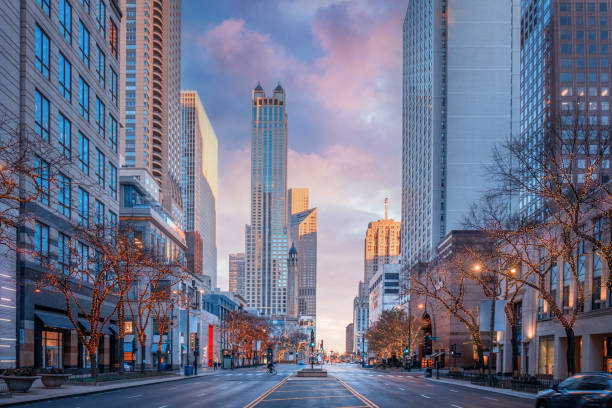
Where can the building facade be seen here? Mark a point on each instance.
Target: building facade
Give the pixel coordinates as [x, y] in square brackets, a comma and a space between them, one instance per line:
[460, 98]
[384, 291]
[266, 237]
[236, 273]
[303, 234]
[382, 246]
[361, 311]
[150, 87]
[349, 338]
[199, 185]
[59, 89]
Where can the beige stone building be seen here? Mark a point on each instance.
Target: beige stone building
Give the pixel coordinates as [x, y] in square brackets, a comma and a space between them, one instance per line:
[382, 244]
[150, 94]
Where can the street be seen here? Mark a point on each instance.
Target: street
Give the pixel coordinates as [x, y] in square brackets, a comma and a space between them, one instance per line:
[347, 386]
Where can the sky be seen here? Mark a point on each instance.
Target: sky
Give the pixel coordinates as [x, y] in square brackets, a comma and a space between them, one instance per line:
[340, 65]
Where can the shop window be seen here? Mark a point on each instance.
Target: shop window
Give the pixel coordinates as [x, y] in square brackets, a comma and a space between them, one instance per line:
[52, 346]
[546, 360]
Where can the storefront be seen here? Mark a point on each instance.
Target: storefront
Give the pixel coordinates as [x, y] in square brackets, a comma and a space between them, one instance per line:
[163, 356]
[608, 354]
[52, 340]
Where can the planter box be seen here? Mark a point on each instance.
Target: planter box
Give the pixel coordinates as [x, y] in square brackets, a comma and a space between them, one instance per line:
[19, 383]
[54, 380]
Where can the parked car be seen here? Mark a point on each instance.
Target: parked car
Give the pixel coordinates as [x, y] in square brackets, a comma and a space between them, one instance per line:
[588, 389]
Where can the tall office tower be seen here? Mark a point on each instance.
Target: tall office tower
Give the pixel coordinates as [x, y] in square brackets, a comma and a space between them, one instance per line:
[292, 283]
[460, 98]
[266, 236]
[382, 244]
[199, 185]
[59, 94]
[236, 273]
[298, 200]
[361, 317]
[565, 79]
[303, 231]
[151, 94]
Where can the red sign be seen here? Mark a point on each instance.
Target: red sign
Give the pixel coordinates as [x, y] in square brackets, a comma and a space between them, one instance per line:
[210, 344]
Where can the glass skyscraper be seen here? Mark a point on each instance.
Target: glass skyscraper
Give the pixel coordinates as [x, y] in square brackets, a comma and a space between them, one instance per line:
[266, 236]
[460, 95]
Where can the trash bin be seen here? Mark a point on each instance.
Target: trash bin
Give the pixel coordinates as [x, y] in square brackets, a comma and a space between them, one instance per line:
[189, 370]
[428, 372]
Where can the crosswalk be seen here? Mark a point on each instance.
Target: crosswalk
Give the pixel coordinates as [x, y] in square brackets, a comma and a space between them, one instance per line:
[342, 374]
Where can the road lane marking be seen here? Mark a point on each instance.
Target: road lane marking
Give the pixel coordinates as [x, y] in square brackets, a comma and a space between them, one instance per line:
[172, 388]
[265, 394]
[201, 394]
[492, 399]
[164, 406]
[425, 396]
[355, 393]
[135, 396]
[456, 406]
[451, 390]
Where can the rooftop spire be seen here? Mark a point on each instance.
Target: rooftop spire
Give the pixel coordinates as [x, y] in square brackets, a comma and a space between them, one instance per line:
[259, 87]
[386, 208]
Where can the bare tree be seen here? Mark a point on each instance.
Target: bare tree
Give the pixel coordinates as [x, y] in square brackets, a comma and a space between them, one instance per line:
[393, 331]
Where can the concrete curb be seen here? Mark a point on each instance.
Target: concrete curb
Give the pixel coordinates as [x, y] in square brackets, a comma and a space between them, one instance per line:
[101, 389]
[510, 393]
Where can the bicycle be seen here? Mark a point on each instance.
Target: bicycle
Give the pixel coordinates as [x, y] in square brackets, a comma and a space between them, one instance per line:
[271, 371]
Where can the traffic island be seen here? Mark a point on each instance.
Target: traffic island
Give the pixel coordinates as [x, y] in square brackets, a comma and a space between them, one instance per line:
[312, 372]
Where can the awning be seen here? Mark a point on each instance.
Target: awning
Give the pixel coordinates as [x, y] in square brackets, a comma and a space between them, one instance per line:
[54, 320]
[127, 347]
[154, 348]
[114, 329]
[184, 347]
[85, 325]
[109, 329]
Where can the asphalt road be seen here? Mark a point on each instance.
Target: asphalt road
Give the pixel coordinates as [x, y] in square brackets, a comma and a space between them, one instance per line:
[347, 386]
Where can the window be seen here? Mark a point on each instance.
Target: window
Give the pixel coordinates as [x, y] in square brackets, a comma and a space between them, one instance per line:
[566, 48]
[113, 38]
[64, 73]
[63, 195]
[63, 253]
[83, 208]
[41, 241]
[112, 140]
[83, 255]
[65, 20]
[546, 362]
[554, 281]
[566, 77]
[566, 286]
[100, 115]
[99, 213]
[100, 167]
[84, 43]
[41, 124]
[64, 135]
[112, 219]
[53, 349]
[112, 182]
[46, 7]
[83, 153]
[42, 51]
[83, 98]
[42, 180]
[114, 87]
[85, 4]
[101, 17]
[566, 20]
[100, 66]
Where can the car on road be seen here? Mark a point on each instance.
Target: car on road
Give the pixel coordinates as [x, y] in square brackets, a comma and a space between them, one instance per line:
[588, 389]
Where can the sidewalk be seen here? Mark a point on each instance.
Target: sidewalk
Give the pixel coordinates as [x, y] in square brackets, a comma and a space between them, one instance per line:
[467, 384]
[39, 393]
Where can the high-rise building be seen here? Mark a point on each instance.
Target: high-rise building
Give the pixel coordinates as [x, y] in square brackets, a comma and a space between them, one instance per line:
[236, 273]
[361, 318]
[292, 283]
[199, 185]
[150, 94]
[460, 98]
[59, 95]
[565, 80]
[266, 236]
[303, 231]
[382, 245]
[349, 338]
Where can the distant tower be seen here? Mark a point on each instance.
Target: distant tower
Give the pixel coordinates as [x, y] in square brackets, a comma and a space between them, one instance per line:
[266, 236]
[292, 282]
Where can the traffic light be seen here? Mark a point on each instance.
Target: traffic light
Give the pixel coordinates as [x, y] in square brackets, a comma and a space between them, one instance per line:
[312, 344]
[453, 348]
[406, 351]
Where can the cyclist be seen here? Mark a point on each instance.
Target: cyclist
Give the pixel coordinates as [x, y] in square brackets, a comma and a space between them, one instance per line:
[271, 369]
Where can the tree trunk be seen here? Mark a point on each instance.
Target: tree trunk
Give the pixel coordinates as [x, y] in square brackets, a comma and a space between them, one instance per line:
[159, 357]
[480, 356]
[93, 361]
[571, 351]
[142, 357]
[514, 342]
[120, 355]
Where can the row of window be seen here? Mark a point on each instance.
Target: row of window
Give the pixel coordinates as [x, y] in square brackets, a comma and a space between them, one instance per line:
[65, 23]
[591, 6]
[580, 20]
[42, 62]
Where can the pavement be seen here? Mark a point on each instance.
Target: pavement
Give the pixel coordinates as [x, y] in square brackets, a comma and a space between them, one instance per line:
[346, 386]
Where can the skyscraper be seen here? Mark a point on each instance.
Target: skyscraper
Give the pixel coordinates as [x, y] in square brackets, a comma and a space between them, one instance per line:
[303, 230]
[460, 98]
[565, 57]
[199, 185]
[266, 236]
[150, 94]
[382, 245]
[236, 273]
